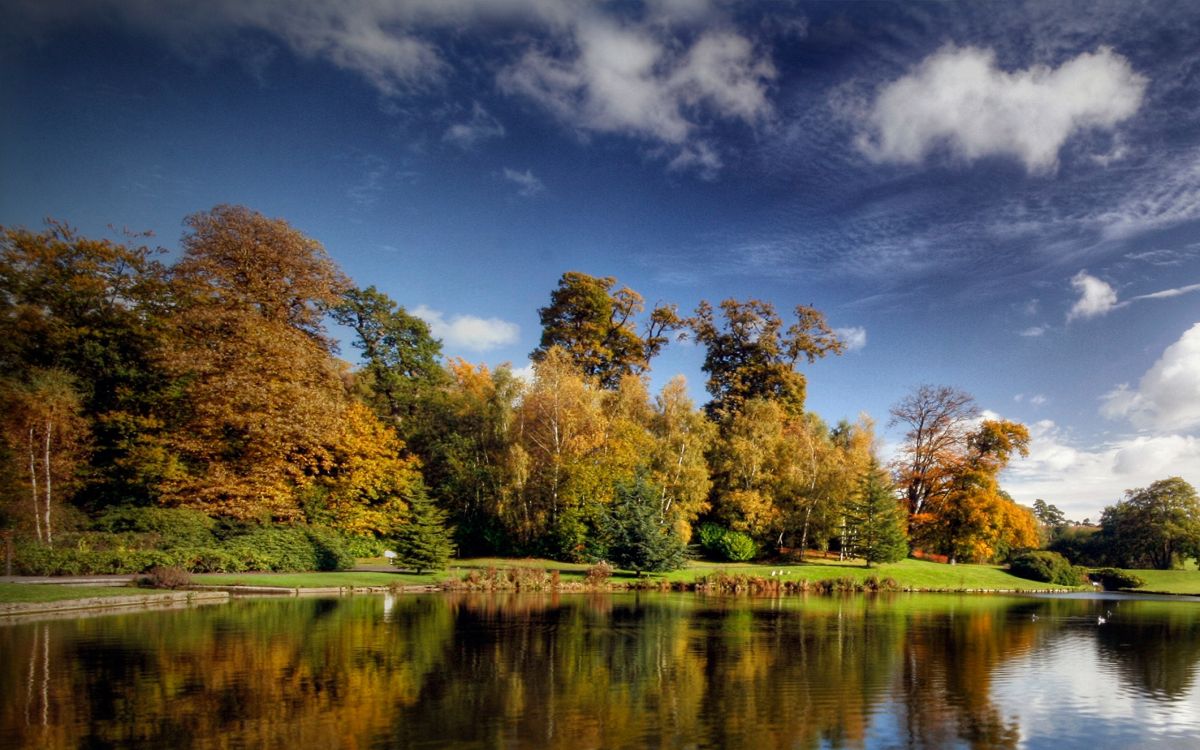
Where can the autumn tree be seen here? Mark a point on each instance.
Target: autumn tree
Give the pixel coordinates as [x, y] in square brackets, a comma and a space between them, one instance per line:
[937, 421]
[748, 463]
[560, 432]
[94, 309]
[1153, 527]
[45, 440]
[597, 326]
[261, 395]
[749, 354]
[681, 439]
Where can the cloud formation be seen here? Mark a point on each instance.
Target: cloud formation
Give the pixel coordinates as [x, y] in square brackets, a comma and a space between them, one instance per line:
[481, 126]
[1096, 297]
[1081, 481]
[527, 183]
[854, 337]
[1167, 398]
[468, 331]
[959, 99]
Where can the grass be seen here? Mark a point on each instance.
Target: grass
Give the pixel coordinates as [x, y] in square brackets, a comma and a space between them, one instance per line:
[317, 580]
[1168, 581]
[38, 592]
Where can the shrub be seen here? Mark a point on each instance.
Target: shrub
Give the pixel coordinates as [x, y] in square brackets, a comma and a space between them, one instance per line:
[167, 577]
[169, 527]
[709, 537]
[329, 549]
[281, 550]
[363, 546]
[1050, 567]
[598, 574]
[1113, 578]
[735, 546]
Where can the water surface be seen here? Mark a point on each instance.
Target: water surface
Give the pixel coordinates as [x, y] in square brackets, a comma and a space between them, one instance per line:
[623, 671]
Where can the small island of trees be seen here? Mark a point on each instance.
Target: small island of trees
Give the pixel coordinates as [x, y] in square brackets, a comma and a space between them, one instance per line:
[198, 414]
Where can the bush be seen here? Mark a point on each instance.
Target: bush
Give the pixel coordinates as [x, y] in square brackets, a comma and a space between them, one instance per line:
[735, 546]
[167, 527]
[1113, 578]
[598, 574]
[1050, 567]
[329, 548]
[363, 546]
[167, 577]
[709, 537]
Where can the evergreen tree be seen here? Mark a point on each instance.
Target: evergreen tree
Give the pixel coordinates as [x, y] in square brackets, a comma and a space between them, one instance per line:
[425, 542]
[639, 538]
[875, 520]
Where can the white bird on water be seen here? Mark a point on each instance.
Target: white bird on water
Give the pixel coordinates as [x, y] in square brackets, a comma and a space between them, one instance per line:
[1101, 620]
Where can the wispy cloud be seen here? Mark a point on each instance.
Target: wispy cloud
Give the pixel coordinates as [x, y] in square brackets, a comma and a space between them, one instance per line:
[468, 331]
[480, 127]
[527, 183]
[960, 99]
[854, 337]
[1034, 331]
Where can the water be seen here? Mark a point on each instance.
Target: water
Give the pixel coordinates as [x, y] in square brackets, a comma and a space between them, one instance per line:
[624, 671]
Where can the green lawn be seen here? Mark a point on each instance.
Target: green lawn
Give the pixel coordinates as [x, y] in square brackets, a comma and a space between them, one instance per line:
[56, 592]
[1169, 581]
[317, 580]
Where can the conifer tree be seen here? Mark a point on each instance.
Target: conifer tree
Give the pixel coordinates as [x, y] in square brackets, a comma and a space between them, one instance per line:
[639, 539]
[875, 520]
[425, 542]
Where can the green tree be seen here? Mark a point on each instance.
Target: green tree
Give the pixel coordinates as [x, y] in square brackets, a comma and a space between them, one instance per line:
[596, 325]
[749, 355]
[1153, 527]
[876, 519]
[638, 538]
[425, 542]
[402, 368]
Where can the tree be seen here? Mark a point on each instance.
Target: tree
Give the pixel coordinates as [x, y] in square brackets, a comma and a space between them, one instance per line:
[46, 439]
[682, 437]
[596, 326]
[1153, 527]
[638, 538]
[261, 396]
[424, 542]
[876, 519]
[749, 355]
[402, 368]
[94, 309]
[938, 419]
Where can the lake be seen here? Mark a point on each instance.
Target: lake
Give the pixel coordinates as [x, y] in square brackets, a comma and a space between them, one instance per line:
[612, 671]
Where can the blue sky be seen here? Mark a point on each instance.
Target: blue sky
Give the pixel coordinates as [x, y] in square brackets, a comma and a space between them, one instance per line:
[1003, 197]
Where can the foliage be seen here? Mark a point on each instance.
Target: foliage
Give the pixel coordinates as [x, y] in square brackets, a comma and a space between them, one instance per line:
[735, 546]
[170, 527]
[1082, 545]
[595, 325]
[598, 573]
[1155, 527]
[876, 520]
[1050, 567]
[749, 356]
[637, 537]
[681, 439]
[1113, 578]
[424, 542]
[289, 549]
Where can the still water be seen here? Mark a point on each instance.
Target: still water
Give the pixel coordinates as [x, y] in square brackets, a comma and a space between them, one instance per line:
[623, 671]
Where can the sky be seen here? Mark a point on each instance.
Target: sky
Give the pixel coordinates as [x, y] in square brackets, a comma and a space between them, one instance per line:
[1000, 197]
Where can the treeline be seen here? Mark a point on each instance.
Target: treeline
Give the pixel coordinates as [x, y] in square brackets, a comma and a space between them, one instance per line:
[212, 384]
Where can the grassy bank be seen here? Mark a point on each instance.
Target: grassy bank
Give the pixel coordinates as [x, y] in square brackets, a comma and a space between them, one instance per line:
[1169, 581]
[37, 593]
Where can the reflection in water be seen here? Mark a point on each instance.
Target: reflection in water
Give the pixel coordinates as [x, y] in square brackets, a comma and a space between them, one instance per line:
[588, 671]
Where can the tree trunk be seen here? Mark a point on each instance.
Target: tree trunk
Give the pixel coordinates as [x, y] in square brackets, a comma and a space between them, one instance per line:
[49, 534]
[33, 485]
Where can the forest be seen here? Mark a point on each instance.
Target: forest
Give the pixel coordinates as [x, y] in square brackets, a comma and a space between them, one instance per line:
[199, 413]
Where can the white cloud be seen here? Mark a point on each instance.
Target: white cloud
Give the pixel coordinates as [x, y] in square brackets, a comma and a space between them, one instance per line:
[1168, 395]
[1034, 331]
[626, 80]
[527, 183]
[960, 99]
[1082, 481]
[1038, 399]
[468, 331]
[1096, 297]
[854, 337]
[482, 126]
